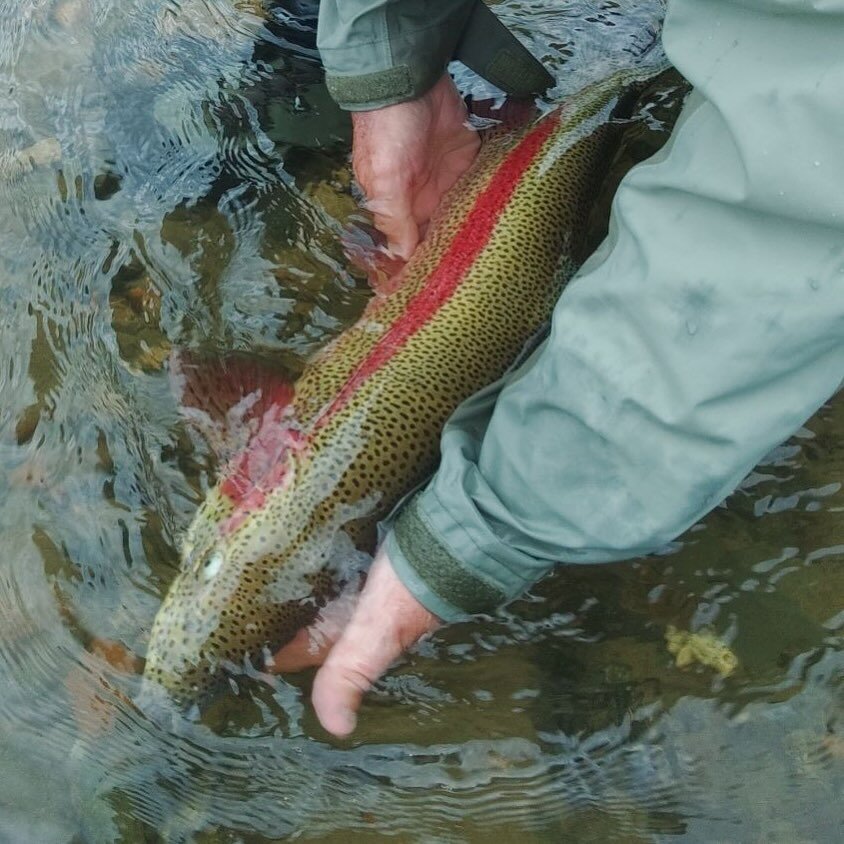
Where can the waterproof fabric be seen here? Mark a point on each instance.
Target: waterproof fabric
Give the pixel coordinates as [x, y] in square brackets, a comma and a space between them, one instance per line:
[704, 331]
[492, 51]
[380, 52]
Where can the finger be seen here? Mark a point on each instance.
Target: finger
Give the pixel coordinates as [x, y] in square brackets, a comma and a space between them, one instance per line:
[298, 654]
[387, 621]
[311, 645]
[363, 653]
[429, 195]
[393, 216]
[387, 172]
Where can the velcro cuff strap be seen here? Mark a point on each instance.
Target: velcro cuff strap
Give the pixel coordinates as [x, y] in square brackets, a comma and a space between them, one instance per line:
[371, 90]
[441, 572]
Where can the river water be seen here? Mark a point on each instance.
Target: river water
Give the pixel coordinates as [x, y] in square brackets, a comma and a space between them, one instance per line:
[173, 173]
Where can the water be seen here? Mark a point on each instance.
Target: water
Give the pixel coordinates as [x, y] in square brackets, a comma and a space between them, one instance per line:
[172, 173]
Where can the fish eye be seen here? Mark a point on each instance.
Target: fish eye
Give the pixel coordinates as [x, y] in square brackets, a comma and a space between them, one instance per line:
[212, 565]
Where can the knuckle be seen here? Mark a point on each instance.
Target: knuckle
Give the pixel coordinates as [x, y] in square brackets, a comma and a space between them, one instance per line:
[360, 677]
[351, 666]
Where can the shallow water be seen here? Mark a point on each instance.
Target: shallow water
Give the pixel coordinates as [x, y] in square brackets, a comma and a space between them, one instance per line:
[172, 173]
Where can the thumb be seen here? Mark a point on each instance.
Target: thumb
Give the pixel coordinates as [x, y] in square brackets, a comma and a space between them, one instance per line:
[393, 217]
[386, 621]
[359, 658]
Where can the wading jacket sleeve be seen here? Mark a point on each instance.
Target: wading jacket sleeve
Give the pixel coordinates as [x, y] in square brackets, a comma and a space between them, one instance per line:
[380, 52]
[704, 331]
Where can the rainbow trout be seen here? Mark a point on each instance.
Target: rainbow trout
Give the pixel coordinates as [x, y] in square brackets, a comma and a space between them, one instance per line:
[361, 428]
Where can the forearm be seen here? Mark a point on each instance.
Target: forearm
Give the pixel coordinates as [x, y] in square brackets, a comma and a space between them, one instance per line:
[705, 330]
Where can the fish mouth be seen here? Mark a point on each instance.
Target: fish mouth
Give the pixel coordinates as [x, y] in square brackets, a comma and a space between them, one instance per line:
[168, 699]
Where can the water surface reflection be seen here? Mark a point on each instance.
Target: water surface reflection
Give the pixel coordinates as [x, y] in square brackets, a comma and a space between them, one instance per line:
[172, 173]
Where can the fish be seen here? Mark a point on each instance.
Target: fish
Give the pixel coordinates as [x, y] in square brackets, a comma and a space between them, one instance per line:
[325, 460]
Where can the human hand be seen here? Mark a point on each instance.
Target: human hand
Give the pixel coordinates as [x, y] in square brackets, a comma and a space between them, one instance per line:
[406, 156]
[356, 642]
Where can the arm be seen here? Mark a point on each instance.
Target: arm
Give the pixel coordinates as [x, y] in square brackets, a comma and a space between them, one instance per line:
[385, 62]
[706, 328]
[378, 53]
[381, 52]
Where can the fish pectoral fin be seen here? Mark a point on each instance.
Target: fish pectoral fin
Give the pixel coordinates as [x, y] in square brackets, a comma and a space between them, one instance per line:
[228, 400]
[366, 248]
[324, 585]
[512, 113]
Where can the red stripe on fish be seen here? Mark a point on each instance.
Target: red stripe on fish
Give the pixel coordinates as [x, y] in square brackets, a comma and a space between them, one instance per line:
[469, 240]
[262, 466]
[264, 463]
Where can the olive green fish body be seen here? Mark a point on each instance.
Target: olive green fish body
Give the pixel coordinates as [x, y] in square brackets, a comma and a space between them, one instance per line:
[362, 428]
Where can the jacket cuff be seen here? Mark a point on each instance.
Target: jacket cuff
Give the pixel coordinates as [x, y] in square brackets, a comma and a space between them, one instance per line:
[382, 88]
[378, 53]
[449, 585]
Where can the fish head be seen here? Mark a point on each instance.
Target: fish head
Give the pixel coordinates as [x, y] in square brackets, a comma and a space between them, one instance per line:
[248, 582]
[238, 597]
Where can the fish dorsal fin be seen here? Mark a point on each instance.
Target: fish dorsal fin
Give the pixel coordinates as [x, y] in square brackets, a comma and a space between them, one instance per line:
[229, 401]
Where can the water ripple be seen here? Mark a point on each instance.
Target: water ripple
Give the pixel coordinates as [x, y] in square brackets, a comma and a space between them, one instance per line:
[172, 173]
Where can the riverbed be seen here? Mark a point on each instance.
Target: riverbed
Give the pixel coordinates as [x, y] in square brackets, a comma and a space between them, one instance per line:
[173, 174]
